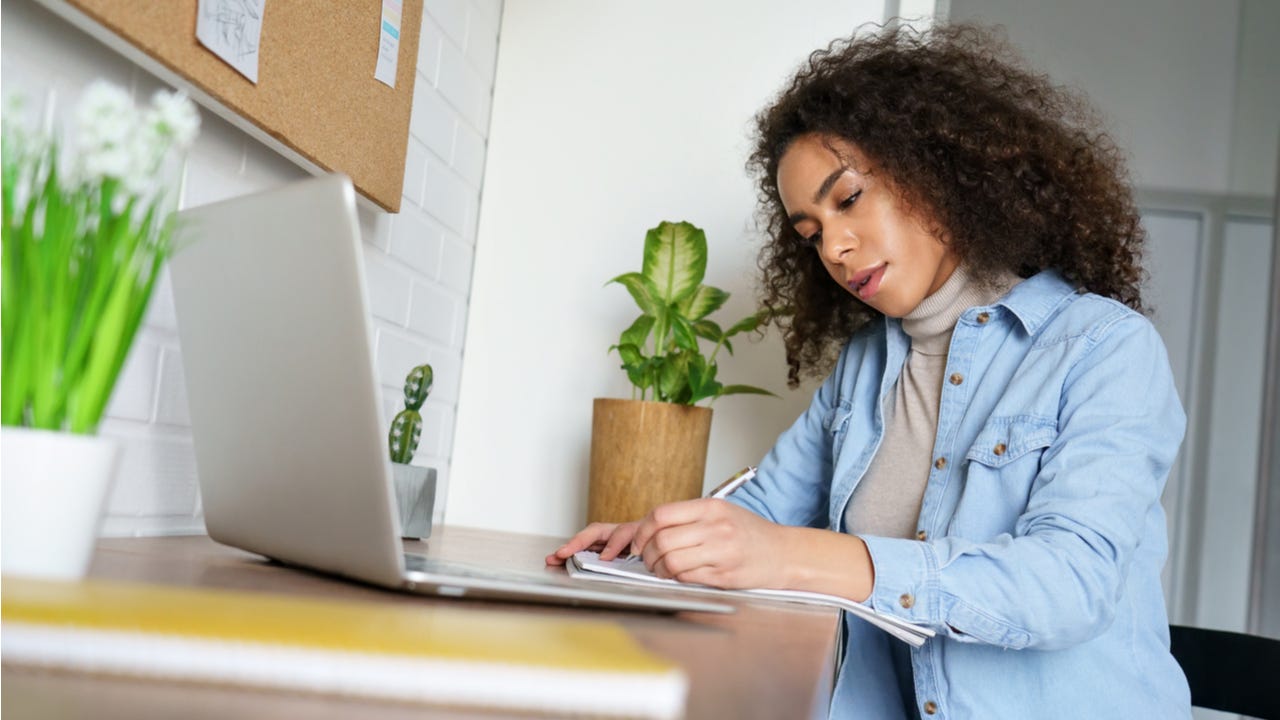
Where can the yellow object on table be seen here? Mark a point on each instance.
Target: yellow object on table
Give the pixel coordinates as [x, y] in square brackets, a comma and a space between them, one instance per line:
[437, 655]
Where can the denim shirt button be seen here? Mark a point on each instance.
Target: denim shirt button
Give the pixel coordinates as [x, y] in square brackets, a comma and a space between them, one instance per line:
[956, 378]
[906, 601]
[940, 463]
[921, 535]
[999, 449]
[983, 317]
[930, 707]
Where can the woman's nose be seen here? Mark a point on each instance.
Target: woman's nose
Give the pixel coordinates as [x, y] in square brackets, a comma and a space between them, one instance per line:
[837, 244]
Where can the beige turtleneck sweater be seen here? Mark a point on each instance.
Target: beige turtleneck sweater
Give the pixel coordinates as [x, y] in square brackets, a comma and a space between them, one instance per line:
[886, 502]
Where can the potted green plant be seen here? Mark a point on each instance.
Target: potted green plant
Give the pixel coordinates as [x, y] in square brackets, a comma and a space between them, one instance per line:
[415, 486]
[86, 229]
[653, 448]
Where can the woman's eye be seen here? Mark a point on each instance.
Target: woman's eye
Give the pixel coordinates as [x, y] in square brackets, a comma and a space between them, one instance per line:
[803, 239]
[847, 202]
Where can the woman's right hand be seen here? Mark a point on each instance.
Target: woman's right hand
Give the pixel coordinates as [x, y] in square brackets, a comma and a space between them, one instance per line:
[609, 539]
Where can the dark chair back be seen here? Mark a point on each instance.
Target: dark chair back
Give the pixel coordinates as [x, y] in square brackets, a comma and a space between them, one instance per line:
[1228, 671]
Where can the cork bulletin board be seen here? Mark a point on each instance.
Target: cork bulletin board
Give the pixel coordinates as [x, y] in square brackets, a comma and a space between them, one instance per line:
[316, 100]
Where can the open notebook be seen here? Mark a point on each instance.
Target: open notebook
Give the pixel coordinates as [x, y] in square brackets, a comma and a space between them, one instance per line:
[587, 565]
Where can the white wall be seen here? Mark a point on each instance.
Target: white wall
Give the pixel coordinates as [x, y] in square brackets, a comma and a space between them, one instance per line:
[1255, 134]
[1162, 71]
[1177, 288]
[608, 118]
[1235, 416]
[418, 262]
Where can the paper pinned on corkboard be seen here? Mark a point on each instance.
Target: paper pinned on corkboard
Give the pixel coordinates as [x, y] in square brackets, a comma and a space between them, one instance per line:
[388, 43]
[232, 29]
[315, 101]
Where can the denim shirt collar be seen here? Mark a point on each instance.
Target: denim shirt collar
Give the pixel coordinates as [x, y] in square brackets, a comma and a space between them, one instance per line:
[1034, 300]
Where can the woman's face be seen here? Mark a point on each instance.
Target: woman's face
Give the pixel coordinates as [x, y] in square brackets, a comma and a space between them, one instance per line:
[867, 241]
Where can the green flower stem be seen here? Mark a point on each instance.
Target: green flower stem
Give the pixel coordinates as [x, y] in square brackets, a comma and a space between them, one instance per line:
[716, 350]
[77, 276]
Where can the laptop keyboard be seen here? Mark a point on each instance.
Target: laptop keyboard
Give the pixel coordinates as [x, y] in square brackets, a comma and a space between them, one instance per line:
[435, 566]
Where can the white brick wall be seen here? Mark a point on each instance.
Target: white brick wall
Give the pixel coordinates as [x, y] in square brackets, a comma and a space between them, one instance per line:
[418, 262]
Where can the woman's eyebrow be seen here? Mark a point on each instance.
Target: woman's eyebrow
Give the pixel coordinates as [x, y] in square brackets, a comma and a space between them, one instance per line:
[823, 189]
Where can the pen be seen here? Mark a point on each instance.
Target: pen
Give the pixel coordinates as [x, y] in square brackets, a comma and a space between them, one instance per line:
[722, 490]
[733, 483]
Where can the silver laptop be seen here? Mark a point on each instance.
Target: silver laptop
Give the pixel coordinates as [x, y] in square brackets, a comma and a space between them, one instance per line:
[289, 431]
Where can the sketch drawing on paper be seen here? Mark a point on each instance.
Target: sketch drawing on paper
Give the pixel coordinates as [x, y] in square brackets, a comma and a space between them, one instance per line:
[232, 30]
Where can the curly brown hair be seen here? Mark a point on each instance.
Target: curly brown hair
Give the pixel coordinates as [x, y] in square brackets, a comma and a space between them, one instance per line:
[1014, 172]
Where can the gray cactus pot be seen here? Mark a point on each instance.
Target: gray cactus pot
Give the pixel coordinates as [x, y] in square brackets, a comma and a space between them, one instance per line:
[415, 497]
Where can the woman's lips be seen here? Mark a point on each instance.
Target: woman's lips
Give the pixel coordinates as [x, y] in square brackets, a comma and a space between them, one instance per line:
[867, 282]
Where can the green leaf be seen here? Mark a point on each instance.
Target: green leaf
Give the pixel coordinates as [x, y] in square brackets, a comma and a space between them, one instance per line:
[636, 365]
[743, 390]
[655, 368]
[704, 301]
[706, 384]
[630, 354]
[675, 260]
[696, 373]
[638, 333]
[683, 334]
[638, 377]
[708, 329]
[673, 380]
[109, 341]
[661, 327]
[642, 291]
[699, 371]
[746, 324]
[709, 390]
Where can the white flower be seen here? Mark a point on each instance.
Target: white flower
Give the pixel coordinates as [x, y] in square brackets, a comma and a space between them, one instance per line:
[19, 139]
[174, 117]
[105, 122]
[105, 118]
[144, 156]
[115, 140]
[115, 161]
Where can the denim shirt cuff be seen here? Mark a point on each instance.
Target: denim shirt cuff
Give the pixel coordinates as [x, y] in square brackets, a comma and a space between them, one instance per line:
[909, 585]
[906, 579]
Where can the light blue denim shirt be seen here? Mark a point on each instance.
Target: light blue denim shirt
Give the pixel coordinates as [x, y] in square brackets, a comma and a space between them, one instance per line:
[1042, 534]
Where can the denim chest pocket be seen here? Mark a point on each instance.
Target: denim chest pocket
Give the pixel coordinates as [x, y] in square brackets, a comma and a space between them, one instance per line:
[1000, 469]
[1006, 440]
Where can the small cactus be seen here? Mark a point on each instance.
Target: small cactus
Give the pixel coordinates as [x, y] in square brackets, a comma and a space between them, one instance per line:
[406, 428]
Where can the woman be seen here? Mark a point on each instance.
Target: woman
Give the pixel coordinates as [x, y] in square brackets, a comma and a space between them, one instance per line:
[988, 453]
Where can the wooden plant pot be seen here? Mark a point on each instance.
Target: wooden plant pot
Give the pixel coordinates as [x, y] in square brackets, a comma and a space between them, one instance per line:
[644, 454]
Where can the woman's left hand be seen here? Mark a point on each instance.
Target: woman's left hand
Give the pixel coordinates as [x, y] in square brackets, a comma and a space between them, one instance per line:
[712, 542]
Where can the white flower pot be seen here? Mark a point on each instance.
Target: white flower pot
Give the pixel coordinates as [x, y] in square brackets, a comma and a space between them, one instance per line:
[52, 489]
[416, 499]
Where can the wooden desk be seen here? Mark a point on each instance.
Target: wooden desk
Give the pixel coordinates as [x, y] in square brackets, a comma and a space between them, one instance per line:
[764, 661]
